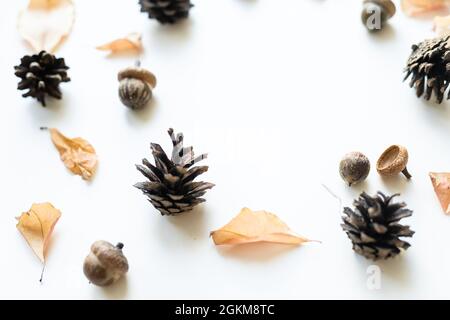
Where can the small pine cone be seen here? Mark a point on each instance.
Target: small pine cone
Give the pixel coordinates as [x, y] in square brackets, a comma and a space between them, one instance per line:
[166, 11]
[373, 226]
[41, 74]
[171, 188]
[429, 65]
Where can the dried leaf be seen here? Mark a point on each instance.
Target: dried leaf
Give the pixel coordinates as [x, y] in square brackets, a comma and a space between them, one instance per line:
[36, 226]
[441, 185]
[131, 42]
[44, 24]
[256, 226]
[77, 154]
[421, 7]
[441, 25]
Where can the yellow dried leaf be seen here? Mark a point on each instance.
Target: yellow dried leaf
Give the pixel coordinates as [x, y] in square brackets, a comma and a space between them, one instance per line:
[419, 7]
[131, 42]
[256, 226]
[36, 226]
[44, 24]
[441, 185]
[77, 154]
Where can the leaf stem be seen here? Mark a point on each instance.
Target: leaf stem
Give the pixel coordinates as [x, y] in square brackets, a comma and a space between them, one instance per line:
[42, 273]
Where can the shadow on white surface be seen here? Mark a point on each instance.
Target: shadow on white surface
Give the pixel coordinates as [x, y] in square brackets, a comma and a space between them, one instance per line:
[256, 252]
[386, 34]
[142, 116]
[55, 110]
[396, 270]
[432, 104]
[191, 223]
[172, 33]
[357, 188]
[249, 2]
[442, 111]
[397, 184]
[116, 291]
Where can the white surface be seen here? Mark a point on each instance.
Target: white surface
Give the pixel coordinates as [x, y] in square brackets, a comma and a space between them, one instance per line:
[276, 92]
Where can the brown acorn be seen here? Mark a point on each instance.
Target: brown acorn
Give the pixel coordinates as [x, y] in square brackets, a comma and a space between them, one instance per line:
[377, 9]
[393, 161]
[105, 264]
[136, 85]
[354, 167]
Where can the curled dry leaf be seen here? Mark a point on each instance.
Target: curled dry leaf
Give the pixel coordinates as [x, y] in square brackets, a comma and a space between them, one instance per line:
[37, 225]
[77, 154]
[44, 24]
[441, 185]
[421, 7]
[131, 42]
[256, 226]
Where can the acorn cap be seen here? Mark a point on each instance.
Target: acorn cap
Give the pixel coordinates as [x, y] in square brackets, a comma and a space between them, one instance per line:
[387, 5]
[110, 256]
[138, 73]
[393, 161]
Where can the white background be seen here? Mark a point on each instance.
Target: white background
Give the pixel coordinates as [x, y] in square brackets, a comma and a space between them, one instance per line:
[276, 92]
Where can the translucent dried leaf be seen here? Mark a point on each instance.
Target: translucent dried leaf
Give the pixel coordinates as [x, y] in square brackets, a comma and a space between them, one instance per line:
[420, 7]
[441, 25]
[37, 226]
[131, 42]
[44, 24]
[77, 154]
[441, 185]
[256, 226]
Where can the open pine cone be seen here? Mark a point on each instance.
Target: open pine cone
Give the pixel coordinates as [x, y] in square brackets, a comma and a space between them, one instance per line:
[373, 227]
[41, 75]
[166, 11]
[171, 187]
[429, 66]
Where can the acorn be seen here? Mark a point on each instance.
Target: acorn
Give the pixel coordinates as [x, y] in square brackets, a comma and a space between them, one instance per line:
[376, 13]
[136, 86]
[105, 264]
[393, 161]
[354, 167]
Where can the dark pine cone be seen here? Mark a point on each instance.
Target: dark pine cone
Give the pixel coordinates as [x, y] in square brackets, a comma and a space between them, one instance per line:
[429, 65]
[171, 187]
[166, 11]
[373, 226]
[41, 74]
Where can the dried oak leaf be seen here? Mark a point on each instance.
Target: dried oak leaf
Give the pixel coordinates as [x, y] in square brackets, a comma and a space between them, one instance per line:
[77, 154]
[131, 42]
[44, 24]
[441, 185]
[421, 7]
[256, 226]
[36, 226]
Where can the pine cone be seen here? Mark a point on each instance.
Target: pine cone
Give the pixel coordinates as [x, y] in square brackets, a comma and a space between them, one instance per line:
[41, 74]
[373, 226]
[429, 65]
[171, 187]
[166, 11]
